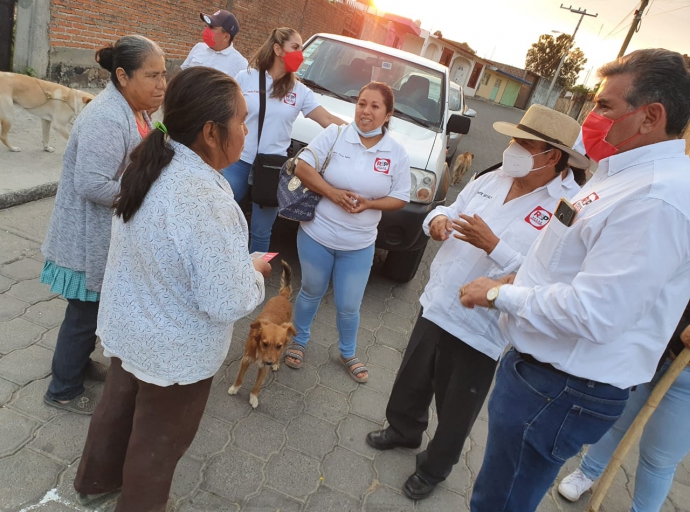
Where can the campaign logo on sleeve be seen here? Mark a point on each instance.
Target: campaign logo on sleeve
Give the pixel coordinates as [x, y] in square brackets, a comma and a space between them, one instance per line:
[290, 99]
[538, 218]
[579, 205]
[382, 165]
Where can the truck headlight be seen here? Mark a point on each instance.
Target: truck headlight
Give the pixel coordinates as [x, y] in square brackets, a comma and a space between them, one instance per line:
[423, 186]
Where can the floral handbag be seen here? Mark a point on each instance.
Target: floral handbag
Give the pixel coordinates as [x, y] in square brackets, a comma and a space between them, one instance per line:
[295, 201]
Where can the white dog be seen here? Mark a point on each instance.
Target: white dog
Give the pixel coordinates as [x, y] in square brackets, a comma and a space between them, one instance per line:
[55, 104]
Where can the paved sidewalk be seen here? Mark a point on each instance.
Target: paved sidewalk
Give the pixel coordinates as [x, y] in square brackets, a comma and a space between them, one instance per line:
[303, 449]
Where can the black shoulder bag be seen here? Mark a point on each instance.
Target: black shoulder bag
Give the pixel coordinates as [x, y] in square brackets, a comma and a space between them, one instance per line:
[266, 168]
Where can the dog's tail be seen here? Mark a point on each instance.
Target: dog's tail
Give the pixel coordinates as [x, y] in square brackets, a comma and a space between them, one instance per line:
[286, 280]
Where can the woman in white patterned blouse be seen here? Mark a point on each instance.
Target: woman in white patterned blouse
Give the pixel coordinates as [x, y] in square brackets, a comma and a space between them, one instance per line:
[178, 276]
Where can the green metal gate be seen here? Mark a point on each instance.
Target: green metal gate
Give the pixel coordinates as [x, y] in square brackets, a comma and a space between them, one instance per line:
[510, 94]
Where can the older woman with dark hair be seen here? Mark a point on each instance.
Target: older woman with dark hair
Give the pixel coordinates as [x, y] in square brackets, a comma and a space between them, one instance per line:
[76, 245]
[179, 275]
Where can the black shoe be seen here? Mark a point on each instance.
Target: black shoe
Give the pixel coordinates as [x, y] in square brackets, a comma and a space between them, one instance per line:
[387, 438]
[416, 488]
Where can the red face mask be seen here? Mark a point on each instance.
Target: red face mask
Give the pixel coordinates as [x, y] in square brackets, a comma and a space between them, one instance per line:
[292, 61]
[208, 36]
[595, 129]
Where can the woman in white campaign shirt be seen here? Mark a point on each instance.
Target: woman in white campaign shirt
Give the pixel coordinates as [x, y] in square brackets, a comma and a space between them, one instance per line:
[369, 172]
[279, 57]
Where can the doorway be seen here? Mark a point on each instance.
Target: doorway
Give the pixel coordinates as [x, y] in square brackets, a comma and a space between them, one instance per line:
[7, 13]
[494, 92]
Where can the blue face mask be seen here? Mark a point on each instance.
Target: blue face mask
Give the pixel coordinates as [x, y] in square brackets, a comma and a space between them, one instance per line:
[367, 135]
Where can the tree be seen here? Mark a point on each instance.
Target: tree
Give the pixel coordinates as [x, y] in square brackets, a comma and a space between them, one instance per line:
[544, 55]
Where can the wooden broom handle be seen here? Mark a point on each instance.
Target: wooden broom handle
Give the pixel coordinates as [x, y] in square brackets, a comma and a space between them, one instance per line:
[635, 430]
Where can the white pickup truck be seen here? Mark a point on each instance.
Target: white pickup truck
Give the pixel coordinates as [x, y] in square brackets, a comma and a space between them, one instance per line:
[335, 68]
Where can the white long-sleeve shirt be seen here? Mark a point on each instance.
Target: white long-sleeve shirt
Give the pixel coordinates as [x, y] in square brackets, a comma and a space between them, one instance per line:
[229, 61]
[601, 298]
[178, 276]
[516, 223]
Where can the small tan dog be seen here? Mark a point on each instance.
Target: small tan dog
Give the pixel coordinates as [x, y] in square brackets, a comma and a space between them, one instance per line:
[460, 167]
[268, 337]
[55, 104]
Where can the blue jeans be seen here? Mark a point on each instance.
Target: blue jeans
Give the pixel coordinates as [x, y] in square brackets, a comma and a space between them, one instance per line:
[350, 273]
[75, 342]
[664, 443]
[263, 218]
[237, 175]
[538, 419]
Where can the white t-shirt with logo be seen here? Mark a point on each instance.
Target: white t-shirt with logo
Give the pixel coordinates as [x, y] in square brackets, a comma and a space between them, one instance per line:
[229, 61]
[279, 117]
[380, 171]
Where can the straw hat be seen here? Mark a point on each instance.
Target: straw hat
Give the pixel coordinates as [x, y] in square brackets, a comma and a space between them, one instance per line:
[547, 125]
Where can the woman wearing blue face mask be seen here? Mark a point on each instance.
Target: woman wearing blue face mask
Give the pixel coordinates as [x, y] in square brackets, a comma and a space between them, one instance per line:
[369, 172]
[285, 97]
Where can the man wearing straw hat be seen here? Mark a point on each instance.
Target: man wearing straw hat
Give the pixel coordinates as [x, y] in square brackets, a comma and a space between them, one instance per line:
[598, 296]
[453, 351]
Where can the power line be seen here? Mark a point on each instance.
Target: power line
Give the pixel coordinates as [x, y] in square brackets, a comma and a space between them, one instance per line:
[671, 10]
[571, 43]
[634, 27]
[619, 23]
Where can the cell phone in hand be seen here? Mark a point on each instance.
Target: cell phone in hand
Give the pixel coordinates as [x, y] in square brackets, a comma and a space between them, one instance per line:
[565, 212]
[266, 256]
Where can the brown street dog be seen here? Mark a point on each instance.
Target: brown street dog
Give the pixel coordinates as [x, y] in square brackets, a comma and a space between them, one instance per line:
[268, 337]
[55, 104]
[460, 167]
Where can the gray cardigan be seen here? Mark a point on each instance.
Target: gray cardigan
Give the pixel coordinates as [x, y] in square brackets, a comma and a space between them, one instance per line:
[97, 153]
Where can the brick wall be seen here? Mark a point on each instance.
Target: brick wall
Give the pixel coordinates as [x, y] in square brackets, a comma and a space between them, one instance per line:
[79, 27]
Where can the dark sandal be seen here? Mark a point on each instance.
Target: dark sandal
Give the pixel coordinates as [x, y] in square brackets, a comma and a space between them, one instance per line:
[290, 352]
[354, 372]
[83, 404]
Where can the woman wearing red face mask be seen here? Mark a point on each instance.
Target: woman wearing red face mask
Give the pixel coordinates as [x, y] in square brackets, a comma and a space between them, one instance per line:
[278, 59]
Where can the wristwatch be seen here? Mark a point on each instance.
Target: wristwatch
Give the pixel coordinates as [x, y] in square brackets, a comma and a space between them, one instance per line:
[492, 295]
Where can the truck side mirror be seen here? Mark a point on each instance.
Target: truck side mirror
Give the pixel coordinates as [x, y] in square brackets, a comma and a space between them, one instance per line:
[458, 124]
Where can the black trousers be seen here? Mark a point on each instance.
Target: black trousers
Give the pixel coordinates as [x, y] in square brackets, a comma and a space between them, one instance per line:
[437, 363]
[76, 340]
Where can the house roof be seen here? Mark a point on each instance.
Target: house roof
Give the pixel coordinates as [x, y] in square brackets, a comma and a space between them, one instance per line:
[512, 77]
[405, 23]
[464, 47]
[513, 72]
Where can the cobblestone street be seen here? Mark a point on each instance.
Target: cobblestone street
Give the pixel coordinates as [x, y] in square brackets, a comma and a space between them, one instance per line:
[303, 449]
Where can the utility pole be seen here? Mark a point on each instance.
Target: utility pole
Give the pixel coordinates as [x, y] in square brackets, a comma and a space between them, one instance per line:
[634, 26]
[582, 14]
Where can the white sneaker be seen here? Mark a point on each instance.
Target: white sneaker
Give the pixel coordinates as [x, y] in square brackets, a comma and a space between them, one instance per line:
[574, 485]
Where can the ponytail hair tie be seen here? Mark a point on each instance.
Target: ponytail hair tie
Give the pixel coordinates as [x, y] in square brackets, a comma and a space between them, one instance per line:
[160, 126]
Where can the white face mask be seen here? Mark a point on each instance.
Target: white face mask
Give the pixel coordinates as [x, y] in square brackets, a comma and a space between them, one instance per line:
[519, 162]
[369, 134]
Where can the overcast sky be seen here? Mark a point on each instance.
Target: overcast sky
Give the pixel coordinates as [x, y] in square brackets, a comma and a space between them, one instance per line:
[503, 30]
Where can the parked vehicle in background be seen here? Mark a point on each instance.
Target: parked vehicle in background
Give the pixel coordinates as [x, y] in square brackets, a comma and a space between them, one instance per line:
[456, 105]
[335, 68]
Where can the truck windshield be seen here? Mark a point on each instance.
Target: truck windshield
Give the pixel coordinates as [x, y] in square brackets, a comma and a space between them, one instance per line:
[343, 69]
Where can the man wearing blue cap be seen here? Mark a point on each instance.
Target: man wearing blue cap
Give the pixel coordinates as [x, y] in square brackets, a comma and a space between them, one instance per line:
[217, 50]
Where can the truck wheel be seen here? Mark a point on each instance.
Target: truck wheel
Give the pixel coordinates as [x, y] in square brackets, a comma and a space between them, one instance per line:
[401, 266]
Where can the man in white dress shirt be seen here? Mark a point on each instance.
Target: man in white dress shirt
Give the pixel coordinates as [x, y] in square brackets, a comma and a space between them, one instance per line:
[453, 351]
[592, 307]
[217, 51]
